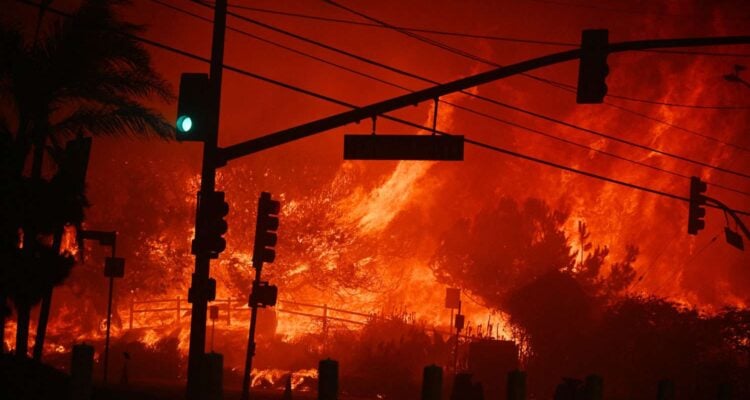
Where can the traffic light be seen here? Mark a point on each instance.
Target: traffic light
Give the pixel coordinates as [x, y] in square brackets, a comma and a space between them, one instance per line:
[212, 226]
[205, 292]
[263, 295]
[265, 230]
[593, 68]
[195, 107]
[697, 211]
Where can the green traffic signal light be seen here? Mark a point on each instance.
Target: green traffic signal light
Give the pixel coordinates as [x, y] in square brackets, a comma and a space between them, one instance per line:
[184, 124]
[195, 108]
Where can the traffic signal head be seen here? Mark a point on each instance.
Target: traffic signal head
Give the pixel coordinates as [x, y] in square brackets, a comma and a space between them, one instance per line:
[696, 211]
[202, 290]
[195, 107]
[265, 230]
[212, 226]
[593, 68]
[263, 295]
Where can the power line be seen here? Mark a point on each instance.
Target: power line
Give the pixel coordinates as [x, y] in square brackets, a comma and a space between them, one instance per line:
[609, 154]
[548, 81]
[202, 59]
[473, 57]
[375, 63]
[500, 149]
[535, 114]
[622, 11]
[572, 89]
[698, 53]
[679, 105]
[667, 123]
[559, 85]
[460, 34]
[409, 123]
[494, 118]
[411, 29]
[281, 46]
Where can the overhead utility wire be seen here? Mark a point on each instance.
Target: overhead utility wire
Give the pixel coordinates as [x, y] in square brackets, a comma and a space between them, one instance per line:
[339, 102]
[698, 53]
[275, 44]
[409, 74]
[487, 99]
[616, 10]
[488, 116]
[548, 81]
[512, 153]
[572, 89]
[474, 57]
[545, 117]
[560, 85]
[678, 105]
[374, 25]
[667, 123]
[461, 34]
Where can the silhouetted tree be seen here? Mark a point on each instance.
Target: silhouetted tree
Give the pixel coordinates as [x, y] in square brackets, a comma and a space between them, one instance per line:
[502, 248]
[84, 76]
[556, 314]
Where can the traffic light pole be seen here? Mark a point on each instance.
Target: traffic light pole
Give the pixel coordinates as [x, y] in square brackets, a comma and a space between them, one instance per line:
[251, 339]
[200, 279]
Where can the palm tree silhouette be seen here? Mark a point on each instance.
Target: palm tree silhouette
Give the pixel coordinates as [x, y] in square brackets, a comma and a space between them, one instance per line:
[84, 75]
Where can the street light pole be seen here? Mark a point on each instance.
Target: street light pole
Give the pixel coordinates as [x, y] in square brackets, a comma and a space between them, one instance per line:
[114, 267]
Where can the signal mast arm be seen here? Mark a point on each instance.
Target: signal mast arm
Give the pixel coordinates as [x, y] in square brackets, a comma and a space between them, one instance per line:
[361, 113]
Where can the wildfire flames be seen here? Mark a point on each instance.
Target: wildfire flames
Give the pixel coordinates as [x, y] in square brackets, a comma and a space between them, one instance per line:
[358, 241]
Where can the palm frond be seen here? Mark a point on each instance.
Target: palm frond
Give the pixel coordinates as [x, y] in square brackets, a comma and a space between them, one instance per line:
[94, 47]
[126, 119]
[113, 82]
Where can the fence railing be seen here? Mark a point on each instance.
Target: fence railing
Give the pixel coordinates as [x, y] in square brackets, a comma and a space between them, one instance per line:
[229, 307]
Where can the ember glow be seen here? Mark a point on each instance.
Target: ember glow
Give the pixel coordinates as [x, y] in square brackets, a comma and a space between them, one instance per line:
[362, 243]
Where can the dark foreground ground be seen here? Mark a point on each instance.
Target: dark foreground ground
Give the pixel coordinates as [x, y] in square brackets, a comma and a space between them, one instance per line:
[164, 392]
[27, 380]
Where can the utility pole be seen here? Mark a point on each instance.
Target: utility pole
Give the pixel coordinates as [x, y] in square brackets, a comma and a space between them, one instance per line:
[200, 285]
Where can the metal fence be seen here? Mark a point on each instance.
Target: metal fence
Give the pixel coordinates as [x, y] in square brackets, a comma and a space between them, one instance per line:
[230, 307]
